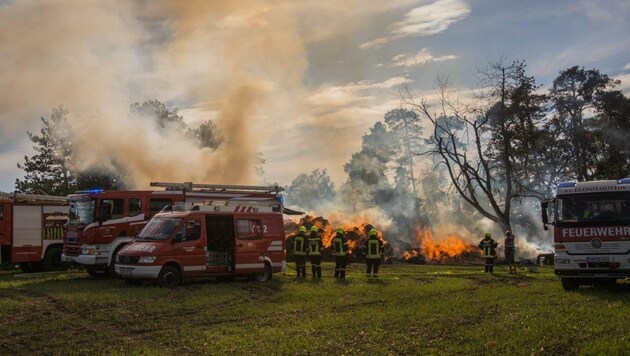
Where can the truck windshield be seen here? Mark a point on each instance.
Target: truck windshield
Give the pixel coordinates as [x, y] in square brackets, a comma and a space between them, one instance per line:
[81, 212]
[159, 229]
[601, 207]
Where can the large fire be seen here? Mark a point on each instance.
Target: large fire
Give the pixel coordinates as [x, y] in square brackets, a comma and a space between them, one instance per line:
[447, 249]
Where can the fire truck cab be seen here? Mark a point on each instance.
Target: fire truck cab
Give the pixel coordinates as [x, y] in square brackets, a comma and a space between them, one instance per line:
[31, 230]
[591, 231]
[232, 234]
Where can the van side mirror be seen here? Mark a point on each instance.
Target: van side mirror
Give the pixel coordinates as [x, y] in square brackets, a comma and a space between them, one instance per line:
[545, 218]
[178, 238]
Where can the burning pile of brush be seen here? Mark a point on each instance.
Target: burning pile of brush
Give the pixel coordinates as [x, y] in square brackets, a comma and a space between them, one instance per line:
[449, 249]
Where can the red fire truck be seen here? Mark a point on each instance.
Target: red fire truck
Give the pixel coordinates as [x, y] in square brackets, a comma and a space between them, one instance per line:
[31, 230]
[101, 222]
[591, 231]
[235, 231]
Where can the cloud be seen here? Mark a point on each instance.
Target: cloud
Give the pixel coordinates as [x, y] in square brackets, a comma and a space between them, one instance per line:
[424, 56]
[352, 93]
[424, 20]
[626, 67]
[625, 82]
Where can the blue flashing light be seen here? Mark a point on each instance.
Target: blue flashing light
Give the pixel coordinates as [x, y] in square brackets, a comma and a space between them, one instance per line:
[91, 191]
[566, 185]
[280, 199]
[624, 181]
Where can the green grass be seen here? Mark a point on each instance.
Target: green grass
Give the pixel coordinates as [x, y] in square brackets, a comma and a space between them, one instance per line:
[409, 310]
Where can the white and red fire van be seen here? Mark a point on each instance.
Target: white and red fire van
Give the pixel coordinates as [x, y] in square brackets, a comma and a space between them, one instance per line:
[239, 234]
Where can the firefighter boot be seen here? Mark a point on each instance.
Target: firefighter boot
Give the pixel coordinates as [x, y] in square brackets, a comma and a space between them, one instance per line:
[319, 272]
[314, 271]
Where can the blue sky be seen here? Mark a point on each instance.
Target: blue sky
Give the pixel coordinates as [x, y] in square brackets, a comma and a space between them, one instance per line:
[299, 82]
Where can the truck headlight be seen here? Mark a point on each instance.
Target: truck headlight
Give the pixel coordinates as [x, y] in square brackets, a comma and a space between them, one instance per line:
[87, 251]
[146, 259]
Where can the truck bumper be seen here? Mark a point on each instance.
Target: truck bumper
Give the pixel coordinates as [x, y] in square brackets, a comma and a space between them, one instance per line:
[592, 266]
[68, 259]
[138, 272]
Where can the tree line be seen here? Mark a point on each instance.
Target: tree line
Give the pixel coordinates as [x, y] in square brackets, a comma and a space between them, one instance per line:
[500, 151]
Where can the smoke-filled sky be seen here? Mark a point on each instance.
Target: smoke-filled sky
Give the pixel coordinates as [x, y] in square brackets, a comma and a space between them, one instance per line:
[298, 81]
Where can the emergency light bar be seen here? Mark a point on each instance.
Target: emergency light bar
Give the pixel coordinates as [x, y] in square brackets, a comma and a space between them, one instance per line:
[219, 187]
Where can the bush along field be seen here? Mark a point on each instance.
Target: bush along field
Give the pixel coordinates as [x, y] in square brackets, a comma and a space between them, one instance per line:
[410, 309]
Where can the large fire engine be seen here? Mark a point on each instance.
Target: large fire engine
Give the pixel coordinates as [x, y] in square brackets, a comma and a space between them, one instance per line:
[234, 231]
[31, 230]
[591, 231]
[101, 222]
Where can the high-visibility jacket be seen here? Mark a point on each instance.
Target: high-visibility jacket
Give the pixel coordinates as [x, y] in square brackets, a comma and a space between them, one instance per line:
[299, 245]
[488, 246]
[374, 248]
[339, 245]
[314, 246]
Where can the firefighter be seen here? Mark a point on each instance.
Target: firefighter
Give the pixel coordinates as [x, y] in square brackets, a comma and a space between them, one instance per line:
[373, 249]
[299, 252]
[340, 250]
[488, 245]
[510, 251]
[314, 247]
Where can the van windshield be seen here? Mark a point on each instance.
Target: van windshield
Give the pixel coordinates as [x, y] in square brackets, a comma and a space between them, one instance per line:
[159, 229]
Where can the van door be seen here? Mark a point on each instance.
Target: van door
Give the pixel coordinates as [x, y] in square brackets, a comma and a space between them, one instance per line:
[189, 248]
[249, 233]
[5, 236]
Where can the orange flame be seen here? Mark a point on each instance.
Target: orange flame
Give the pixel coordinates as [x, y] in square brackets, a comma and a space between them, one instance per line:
[448, 248]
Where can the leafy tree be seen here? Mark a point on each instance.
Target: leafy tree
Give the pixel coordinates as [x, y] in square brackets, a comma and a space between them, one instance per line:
[406, 124]
[575, 94]
[310, 191]
[166, 118]
[207, 135]
[49, 170]
[613, 146]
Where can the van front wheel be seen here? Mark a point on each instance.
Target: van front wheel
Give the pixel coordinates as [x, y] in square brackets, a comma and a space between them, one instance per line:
[169, 277]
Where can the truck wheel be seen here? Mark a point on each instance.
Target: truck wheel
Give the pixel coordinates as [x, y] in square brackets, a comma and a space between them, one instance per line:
[52, 260]
[111, 269]
[570, 284]
[169, 277]
[265, 275]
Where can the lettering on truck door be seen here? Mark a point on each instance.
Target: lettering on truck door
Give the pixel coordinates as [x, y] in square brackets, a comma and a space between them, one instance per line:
[249, 233]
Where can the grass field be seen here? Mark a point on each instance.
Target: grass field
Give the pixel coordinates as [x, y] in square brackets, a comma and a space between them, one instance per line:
[411, 309]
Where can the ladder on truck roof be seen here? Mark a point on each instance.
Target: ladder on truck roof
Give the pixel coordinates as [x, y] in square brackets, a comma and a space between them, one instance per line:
[34, 198]
[247, 189]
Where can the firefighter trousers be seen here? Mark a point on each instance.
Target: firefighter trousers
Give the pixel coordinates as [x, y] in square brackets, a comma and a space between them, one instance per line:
[340, 266]
[372, 266]
[300, 265]
[489, 264]
[316, 266]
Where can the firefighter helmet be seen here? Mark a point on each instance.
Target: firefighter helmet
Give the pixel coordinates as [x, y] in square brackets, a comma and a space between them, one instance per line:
[339, 231]
[373, 232]
[314, 229]
[302, 228]
[488, 235]
[508, 233]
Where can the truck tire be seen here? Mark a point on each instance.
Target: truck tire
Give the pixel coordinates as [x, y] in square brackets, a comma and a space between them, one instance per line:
[169, 277]
[265, 275]
[570, 284]
[52, 260]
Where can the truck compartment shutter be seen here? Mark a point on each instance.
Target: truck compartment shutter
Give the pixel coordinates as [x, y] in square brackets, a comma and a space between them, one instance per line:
[27, 226]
